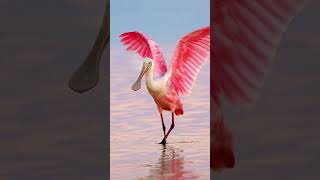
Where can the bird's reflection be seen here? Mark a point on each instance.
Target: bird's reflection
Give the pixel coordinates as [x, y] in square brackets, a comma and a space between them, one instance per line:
[170, 166]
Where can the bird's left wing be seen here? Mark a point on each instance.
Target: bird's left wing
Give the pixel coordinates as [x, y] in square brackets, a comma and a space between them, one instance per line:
[191, 53]
[145, 47]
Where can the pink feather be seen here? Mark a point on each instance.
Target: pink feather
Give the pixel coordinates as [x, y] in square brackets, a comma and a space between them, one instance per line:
[246, 36]
[191, 53]
[145, 47]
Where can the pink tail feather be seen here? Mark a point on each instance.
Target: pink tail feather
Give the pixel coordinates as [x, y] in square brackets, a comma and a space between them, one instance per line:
[179, 110]
[221, 146]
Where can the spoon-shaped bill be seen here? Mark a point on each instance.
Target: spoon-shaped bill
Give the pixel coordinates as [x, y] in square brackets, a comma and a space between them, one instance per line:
[87, 75]
[137, 85]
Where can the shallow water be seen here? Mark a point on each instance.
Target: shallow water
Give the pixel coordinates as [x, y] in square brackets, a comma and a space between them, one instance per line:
[136, 128]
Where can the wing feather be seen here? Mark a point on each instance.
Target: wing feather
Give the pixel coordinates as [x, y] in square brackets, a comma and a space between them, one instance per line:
[191, 53]
[145, 47]
[245, 37]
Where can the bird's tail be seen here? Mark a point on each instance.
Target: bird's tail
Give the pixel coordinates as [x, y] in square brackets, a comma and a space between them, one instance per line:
[179, 109]
[221, 144]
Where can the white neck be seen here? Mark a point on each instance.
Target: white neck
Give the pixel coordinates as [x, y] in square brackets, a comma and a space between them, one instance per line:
[151, 84]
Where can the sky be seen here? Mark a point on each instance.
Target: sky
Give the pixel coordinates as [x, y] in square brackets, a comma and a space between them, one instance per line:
[164, 21]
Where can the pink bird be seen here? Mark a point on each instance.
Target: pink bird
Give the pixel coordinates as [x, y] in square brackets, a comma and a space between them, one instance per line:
[166, 85]
[246, 34]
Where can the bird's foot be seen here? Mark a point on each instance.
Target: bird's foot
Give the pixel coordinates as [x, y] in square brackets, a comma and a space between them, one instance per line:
[163, 141]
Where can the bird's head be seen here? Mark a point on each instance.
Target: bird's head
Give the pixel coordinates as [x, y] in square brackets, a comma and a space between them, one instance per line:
[147, 64]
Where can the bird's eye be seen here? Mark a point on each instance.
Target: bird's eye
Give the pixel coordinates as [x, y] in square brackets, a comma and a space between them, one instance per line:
[150, 63]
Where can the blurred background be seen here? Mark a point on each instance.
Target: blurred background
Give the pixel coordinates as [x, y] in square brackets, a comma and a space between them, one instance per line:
[279, 137]
[46, 130]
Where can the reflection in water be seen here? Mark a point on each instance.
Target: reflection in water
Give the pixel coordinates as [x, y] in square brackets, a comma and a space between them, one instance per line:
[171, 165]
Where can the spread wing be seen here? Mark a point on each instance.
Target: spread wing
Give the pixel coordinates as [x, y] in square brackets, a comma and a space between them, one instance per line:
[145, 47]
[191, 53]
[246, 35]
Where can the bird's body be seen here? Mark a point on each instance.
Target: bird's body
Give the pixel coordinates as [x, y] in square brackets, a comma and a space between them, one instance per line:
[163, 97]
[166, 85]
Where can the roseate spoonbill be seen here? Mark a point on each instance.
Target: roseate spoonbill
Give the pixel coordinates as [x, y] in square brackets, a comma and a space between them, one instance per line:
[87, 75]
[245, 37]
[191, 53]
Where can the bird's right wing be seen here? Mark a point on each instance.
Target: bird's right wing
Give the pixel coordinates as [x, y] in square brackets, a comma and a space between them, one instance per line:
[245, 37]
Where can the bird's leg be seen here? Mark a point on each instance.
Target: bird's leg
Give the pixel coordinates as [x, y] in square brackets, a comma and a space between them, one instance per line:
[164, 131]
[163, 126]
[171, 127]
